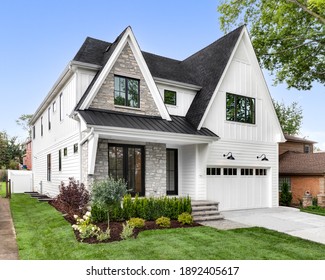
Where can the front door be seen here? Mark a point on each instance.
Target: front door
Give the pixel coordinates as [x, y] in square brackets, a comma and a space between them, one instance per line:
[172, 171]
[127, 162]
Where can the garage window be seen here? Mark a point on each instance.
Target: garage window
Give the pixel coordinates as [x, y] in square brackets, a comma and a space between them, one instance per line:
[213, 171]
[230, 171]
[260, 172]
[246, 171]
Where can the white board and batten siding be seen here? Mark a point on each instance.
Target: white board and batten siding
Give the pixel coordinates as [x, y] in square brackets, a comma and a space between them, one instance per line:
[245, 141]
[64, 133]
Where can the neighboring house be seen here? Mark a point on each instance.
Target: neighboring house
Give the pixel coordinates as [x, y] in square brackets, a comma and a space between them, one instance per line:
[296, 144]
[196, 127]
[301, 168]
[27, 158]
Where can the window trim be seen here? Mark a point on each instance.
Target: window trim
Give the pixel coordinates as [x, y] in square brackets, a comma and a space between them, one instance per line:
[170, 91]
[127, 91]
[253, 109]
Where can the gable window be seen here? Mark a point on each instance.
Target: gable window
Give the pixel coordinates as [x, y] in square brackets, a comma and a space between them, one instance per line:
[170, 97]
[240, 108]
[75, 148]
[49, 117]
[34, 134]
[65, 152]
[49, 167]
[306, 149]
[126, 92]
[54, 106]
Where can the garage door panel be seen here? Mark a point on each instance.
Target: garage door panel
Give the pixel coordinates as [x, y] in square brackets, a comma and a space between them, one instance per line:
[239, 192]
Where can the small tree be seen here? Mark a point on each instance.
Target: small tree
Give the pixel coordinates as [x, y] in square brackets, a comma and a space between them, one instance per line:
[286, 195]
[107, 194]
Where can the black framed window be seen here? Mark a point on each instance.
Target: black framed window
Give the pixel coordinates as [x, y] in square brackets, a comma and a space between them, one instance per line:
[60, 160]
[49, 168]
[49, 117]
[172, 171]
[127, 162]
[41, 126]
[75, 148]
[230, 171]
[170, 97]
[213, 171]
[126, 92]
[65, 152]
[61, 106]
[240, 108]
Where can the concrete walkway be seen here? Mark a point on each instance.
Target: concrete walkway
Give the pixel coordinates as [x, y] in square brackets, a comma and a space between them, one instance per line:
[8, 244]
[283, 219]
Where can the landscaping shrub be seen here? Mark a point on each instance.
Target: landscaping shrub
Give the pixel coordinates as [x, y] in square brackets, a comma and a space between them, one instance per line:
[106, 196]
[151, 208]
[285, 195]
[185, 219]
[73, 198]
[127, 231]
[137, 222]
[163, 222]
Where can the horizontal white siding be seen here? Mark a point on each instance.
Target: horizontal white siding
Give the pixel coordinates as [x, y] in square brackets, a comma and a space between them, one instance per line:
[188, 162]
[70, 165]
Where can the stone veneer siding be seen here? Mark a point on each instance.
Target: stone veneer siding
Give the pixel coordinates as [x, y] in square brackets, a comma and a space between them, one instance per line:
[127, 66]
[155, 166]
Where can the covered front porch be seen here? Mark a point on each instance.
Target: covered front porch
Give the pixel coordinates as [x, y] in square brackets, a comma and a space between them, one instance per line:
[160, 158]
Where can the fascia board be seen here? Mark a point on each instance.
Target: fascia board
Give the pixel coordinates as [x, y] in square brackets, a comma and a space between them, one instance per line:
[156, 136]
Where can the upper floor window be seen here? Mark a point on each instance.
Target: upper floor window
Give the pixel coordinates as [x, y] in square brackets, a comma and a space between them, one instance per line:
[126, 92]
[49, 117]
[34, 134]
[41, 126]
[61, 106]
[240, 108]
[170, 97]
[307, 149]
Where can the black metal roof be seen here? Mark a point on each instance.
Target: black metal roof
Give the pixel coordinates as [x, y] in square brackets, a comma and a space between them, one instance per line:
[203, 68]
[178, 124]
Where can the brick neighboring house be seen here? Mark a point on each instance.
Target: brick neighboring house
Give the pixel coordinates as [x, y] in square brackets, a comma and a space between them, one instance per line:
[27, 158]
[301, 168]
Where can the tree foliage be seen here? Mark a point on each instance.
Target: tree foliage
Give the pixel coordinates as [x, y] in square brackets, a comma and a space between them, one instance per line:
[11, 152]
[290, 117]
[24, 122]
[288, 36]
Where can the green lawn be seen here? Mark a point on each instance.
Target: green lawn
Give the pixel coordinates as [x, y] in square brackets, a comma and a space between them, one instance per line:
[314, 210]
[42, 233]
[2, 189]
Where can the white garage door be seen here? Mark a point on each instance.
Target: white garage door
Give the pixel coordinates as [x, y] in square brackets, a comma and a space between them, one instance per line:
[239, 188]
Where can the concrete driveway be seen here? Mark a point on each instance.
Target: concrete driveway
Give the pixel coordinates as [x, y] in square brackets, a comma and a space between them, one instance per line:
[282, 219]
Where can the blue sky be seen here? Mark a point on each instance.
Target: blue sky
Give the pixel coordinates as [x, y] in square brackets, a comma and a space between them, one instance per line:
[39, 38]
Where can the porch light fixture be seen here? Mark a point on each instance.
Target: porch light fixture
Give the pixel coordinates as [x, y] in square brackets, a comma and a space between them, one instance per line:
[263, 156]
[229, 156]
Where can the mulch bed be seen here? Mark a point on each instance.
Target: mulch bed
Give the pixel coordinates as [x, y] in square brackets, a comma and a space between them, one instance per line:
[115, 227]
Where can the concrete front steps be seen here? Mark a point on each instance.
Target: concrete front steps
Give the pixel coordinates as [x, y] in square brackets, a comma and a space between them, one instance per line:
[204, 210]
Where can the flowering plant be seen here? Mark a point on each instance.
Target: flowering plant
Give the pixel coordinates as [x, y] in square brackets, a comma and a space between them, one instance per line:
[87, 229]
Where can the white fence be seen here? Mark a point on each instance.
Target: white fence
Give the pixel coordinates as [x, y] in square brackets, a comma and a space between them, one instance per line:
[21, 180]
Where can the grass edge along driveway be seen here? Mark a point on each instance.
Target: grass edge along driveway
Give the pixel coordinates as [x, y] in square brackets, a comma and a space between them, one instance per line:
[43, 234]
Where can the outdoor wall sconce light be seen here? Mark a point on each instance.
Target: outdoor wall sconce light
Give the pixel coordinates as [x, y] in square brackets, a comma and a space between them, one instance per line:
[264, 157]
[229, 156]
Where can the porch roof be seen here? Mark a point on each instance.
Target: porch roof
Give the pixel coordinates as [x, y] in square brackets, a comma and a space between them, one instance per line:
[178, 124]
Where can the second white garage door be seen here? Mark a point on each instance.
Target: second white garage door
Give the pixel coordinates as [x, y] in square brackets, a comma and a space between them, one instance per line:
[239, 188]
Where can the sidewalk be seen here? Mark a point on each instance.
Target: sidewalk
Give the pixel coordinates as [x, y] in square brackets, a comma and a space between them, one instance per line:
[8, 244]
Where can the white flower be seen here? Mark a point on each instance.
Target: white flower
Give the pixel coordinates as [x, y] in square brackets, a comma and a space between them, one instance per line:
[75, 216]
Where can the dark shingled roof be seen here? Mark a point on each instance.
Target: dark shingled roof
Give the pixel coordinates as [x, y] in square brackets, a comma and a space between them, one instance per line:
[135, 121]
[203, 68]
[293, 163]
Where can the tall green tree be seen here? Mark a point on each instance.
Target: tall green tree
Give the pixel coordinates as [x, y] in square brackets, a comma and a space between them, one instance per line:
[290, 117]
[11, 152]
[288, 36]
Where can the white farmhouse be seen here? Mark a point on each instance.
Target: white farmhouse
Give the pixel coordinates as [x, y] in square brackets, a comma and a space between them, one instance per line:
[203, 127]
